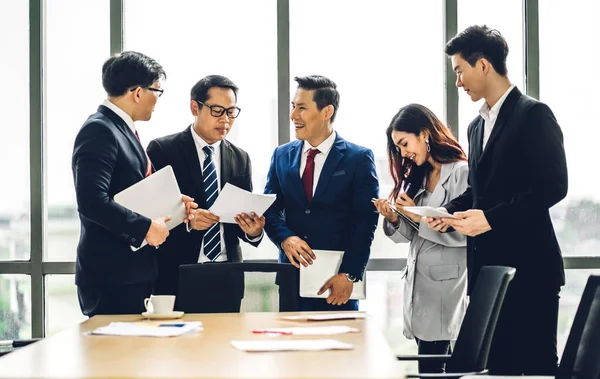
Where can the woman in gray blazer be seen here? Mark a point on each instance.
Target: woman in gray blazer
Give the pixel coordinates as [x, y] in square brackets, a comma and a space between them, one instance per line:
[429, 168]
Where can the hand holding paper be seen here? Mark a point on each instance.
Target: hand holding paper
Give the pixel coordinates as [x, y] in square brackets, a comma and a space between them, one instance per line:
[233, 200]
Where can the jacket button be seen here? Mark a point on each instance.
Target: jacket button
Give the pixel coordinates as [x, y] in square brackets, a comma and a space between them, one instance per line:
[133, 240]
[307, 211]
[125, 235]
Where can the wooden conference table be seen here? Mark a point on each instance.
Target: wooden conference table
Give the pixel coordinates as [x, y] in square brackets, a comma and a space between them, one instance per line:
[206, 354]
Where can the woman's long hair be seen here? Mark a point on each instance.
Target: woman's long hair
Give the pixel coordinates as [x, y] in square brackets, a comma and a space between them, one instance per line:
[414, 119]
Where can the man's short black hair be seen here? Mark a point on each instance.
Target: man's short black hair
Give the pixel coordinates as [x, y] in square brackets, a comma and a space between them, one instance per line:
[326, 92]
[479, 41]
[200, 90]
[129, 69]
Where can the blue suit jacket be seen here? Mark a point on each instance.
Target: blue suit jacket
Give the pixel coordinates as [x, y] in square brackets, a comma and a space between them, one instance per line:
[340, 216]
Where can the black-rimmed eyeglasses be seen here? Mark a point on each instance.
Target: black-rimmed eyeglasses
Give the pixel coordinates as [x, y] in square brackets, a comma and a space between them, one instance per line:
[158, 90]
[217, 110]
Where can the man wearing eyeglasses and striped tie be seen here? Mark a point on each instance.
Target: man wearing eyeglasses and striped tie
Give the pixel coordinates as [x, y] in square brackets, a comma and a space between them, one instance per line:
[203, 162]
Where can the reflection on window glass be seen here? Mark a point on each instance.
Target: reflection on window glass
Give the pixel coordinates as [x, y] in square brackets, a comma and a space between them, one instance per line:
[507, 18]
[15, 307]
[369, 49]
[74, 92]
[577, 218]
[62, 305]
[14, 136]
[237, 39]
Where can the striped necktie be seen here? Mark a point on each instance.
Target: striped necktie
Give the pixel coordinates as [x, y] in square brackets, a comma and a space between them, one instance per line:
[212, 237]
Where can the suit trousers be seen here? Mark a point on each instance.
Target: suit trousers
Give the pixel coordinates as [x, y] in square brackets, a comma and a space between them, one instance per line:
[524, 342]
[433, 348]
[113, 299]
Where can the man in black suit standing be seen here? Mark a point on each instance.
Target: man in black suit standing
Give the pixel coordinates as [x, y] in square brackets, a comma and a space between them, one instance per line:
[203, 162]
[107, 158]
[518, 171]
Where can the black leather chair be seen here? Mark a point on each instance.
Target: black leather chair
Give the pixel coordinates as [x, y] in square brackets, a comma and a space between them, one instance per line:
[219, 287]
[581, 357]
[472, 346]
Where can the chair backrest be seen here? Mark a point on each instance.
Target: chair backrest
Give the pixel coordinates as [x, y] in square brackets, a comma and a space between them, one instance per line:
[475, 336]
[218, 287]
[581, 357]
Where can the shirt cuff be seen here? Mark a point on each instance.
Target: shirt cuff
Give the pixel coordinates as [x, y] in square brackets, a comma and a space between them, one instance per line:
[256, 239]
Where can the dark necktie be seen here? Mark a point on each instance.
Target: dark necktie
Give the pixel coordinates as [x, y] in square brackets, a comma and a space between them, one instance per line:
[212, 237]
[149, 167]
[308, 175]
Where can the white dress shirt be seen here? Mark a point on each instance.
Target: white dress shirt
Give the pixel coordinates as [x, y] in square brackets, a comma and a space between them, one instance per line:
[490, 115]
[200, 144]
[324, 148]
[121, 113]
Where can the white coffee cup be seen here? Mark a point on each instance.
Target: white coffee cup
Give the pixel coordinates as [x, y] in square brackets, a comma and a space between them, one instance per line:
[159, 304]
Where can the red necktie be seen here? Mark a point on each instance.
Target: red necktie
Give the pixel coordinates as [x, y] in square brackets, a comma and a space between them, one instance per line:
[309, 173]
[149, 168]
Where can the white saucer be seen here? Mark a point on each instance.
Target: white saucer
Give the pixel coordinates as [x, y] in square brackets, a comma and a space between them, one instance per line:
[166, 316]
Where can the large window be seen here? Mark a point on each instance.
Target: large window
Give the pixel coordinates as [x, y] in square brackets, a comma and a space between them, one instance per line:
[369, 50]
[14, 135]
[74, 92]
[507, 18]
[62, 306]
[569, 87]
[15, 307]
[196, 38]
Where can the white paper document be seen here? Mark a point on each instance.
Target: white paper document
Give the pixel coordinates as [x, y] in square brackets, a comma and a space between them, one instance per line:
[308, 331]
[233, 200]
[291, 345]
[327, 316]
[148, 329]
[156, 196]
[428, 212]
[327, 264]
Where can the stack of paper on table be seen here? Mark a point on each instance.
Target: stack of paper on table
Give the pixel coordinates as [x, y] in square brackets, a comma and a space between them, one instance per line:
[326, 265]
[291, 345]
[327, 316]
[233, 200]
[308, 331]
[148, 329]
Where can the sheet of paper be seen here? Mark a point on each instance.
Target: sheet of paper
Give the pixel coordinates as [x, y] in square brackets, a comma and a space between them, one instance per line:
[148, 329]
[291, 345]
[428, 212]
[327, 316]
[327, 264]
[233, 200]
[308, 331]
[155, 196]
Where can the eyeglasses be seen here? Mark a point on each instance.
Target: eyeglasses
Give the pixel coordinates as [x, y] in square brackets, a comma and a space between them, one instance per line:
[217, 110]
[159, 90]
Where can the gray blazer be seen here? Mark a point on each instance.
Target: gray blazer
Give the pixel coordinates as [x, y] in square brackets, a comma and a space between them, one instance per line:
[435, 286]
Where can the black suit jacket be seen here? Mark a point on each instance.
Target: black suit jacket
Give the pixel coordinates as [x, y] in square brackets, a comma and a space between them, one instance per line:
[107, 158]
[181, 247]
[520, 174]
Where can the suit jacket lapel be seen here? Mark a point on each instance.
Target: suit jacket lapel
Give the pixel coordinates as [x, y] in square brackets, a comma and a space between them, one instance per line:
[191, 157]
[477, 141]
[226, 162]
[122, 126]
[295, 156]
[331, 163]
[503, 116]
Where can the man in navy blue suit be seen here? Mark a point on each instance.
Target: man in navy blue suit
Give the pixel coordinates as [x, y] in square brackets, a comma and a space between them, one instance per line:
[324, 186]
[108, 157]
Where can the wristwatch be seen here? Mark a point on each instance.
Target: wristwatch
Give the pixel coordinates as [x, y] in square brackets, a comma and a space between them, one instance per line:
[351, 278]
